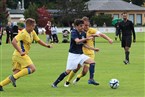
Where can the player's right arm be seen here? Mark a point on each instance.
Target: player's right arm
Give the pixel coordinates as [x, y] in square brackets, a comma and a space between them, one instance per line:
[106, 37]
[77, 40]
[15, 45]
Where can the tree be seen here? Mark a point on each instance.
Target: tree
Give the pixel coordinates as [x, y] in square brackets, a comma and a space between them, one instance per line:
[31, 12]
[43, 16]
[101, 19]
[12, 4]
[3, 13]
[71, 9]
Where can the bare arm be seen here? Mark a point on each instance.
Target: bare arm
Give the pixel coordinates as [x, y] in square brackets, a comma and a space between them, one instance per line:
[44, 44]
[77, 40]
[89, 47]
[15, 45]
[106, 37]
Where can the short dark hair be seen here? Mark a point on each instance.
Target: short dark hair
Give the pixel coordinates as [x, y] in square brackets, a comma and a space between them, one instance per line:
[78, 22]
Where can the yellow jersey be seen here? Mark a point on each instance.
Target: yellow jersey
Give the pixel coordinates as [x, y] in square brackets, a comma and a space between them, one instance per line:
[90, 42]
[24, 40]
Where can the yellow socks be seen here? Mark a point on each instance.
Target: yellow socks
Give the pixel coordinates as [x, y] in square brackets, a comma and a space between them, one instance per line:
[70, 76]
[22, 73]
[5, 82]
[80, 75]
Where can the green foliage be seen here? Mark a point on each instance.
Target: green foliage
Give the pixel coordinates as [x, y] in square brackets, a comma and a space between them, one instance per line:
[31, 12]
[71, 10]
[3, 14]
[101, 19]
[3, 18]
[12, 3]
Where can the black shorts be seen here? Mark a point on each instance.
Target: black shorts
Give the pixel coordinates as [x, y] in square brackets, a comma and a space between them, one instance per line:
[126, 41]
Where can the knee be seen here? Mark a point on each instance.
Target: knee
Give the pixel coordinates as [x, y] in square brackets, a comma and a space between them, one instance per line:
[68, 71]
[75, 71]
[93, 62]
[33, 69]
[84, 73]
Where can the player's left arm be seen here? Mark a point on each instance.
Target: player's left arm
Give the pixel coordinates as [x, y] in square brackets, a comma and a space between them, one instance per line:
[133, 31]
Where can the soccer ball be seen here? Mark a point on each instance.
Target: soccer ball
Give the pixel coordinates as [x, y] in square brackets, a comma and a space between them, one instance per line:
[114, 83]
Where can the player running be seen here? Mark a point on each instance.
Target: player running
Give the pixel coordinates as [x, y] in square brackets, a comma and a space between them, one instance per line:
[89, 52]
[22, 64]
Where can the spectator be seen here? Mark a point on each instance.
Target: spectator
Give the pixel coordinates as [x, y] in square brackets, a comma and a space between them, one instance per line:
[48, 32]
[65, 36]
[14, 30]
[72, 27]
[1, 33]
[54, 33]
[8, 32]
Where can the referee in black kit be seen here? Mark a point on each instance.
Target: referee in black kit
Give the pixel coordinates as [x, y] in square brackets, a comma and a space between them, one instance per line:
[127, 29]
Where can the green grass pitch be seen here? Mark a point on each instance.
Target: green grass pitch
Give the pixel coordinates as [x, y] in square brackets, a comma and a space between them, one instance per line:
[51, 62]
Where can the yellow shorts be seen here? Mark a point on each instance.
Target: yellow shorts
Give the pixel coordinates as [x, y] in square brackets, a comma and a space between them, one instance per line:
[92, 56]
[20, 62]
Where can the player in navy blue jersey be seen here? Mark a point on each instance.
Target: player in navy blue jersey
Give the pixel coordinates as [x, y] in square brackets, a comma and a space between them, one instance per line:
[76, 57]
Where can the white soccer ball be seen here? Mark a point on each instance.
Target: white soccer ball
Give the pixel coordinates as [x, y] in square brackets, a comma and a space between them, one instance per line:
[114, 83]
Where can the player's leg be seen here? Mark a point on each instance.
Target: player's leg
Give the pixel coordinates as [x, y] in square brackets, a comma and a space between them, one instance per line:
[25, 71]
[128, 41]
[7, 80]
[4, 82]
[60, 78]
[24, 64]
[70, 76]
[126, 49]
[72, 64]
[83, 73]
[92, 71]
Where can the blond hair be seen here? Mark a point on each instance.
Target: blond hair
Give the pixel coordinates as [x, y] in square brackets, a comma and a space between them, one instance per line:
[30, 21]
[85, 18]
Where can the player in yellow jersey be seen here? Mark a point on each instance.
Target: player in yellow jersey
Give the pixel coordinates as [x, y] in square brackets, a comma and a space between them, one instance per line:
[22, 64]
[90, 32]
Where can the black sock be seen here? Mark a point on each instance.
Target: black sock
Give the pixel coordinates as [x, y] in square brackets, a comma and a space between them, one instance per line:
[60, 78]
[127, 55]
[92, 70]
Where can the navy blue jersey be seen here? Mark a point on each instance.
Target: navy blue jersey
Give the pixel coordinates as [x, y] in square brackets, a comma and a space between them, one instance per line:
[74, 47]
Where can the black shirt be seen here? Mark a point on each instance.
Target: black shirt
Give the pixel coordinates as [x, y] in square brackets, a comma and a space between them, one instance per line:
[74, 47]
[127, 28]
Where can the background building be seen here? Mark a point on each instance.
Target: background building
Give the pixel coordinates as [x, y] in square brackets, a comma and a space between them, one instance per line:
[115, 7]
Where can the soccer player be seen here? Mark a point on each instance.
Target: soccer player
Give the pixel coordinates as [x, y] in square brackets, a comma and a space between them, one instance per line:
[127, 29]
[89, 52]
[22, 64]
[76, 56]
